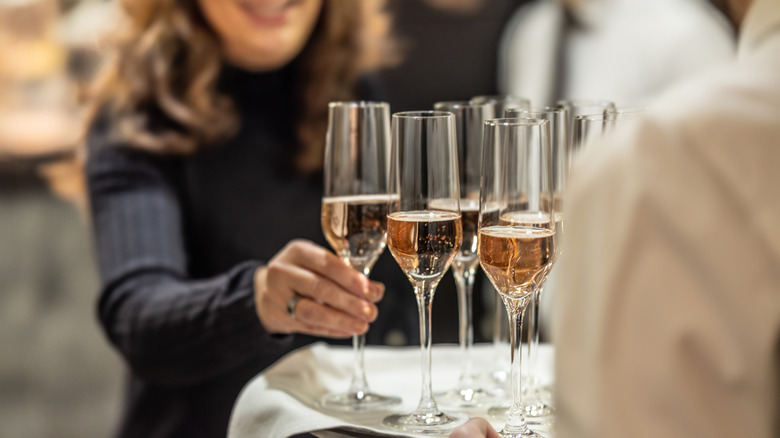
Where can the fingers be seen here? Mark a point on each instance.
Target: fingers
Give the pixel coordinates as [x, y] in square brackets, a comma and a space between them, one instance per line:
[320, 331]
[323, 262]
[475, 428]
[272, 310]
[319, 316]
[337, 300]
[320, 290]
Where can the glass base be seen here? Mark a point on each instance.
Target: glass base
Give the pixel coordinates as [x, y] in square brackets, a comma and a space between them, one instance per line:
[434, 423]
[528, 433]
[358, 401]
[538, 412]
[469, 398]
[516, 431]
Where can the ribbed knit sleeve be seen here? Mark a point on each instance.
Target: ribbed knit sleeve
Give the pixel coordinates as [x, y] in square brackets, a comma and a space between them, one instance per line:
[172, 329]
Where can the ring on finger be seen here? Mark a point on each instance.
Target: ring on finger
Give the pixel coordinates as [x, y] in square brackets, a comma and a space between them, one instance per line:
[292, 303]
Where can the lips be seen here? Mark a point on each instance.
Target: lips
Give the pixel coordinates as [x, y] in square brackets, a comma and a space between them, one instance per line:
[261, 13]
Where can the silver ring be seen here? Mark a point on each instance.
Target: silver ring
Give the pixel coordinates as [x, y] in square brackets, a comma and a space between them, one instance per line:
[292, 303]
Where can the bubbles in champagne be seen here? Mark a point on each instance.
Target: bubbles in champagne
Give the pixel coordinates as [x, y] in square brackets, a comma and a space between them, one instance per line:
[516, 258]
[424, 242]
[536, 219]
[355, 227]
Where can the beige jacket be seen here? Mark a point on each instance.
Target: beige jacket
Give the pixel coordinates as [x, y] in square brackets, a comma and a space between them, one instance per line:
[667, 323]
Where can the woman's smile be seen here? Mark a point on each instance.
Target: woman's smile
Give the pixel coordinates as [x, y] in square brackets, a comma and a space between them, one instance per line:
[264, 14]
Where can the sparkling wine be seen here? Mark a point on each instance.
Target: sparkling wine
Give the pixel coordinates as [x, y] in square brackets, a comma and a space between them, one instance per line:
[516, 258]
[535, 219]
[470, 221]
[356, 227]
[424, 242]
[466, 257]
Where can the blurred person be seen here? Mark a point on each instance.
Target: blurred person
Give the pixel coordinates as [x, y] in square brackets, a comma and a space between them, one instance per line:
[626, 51]
[667, 321]
[671, 327]
[204, 173]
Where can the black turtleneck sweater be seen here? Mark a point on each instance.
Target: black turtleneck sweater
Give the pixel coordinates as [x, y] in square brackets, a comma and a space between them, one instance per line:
[178, 242]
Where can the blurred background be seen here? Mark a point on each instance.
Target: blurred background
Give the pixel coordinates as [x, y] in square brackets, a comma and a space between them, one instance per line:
[58, 376]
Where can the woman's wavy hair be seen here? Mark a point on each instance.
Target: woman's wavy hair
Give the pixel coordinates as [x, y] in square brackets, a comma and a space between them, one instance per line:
[168, 58]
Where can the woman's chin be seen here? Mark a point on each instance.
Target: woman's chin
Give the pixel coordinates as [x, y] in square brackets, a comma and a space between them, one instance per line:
[260, 61]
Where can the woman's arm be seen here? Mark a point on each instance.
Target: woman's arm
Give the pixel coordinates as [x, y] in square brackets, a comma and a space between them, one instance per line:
[171, 329]
[174, 330]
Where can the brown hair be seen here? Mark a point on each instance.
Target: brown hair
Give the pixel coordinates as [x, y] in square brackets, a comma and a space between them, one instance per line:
[169, 59]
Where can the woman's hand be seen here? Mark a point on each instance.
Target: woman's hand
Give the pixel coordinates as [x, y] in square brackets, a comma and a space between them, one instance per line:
[475, 428]
[336, 300]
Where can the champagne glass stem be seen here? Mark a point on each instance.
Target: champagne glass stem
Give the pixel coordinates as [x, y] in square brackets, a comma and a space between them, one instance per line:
[424, 293]
[359, 385]
[536, 411]
[533, 346]
[498, 317]
[515, 423]
[464, 281]
[499, 348]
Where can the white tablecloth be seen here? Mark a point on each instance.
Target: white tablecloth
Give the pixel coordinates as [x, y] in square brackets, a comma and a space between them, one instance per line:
[282, 401]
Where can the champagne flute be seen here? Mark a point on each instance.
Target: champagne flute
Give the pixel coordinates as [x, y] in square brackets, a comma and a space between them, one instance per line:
[501, 103]
[590, 127]
[354, 211]
[469, 121]
[582, 107]
[536, 409]
[516, 243]
[424, 234]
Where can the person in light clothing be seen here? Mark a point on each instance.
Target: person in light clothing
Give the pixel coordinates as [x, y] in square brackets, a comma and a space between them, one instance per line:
[627, 51]
[669, 313]
[668, 318]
